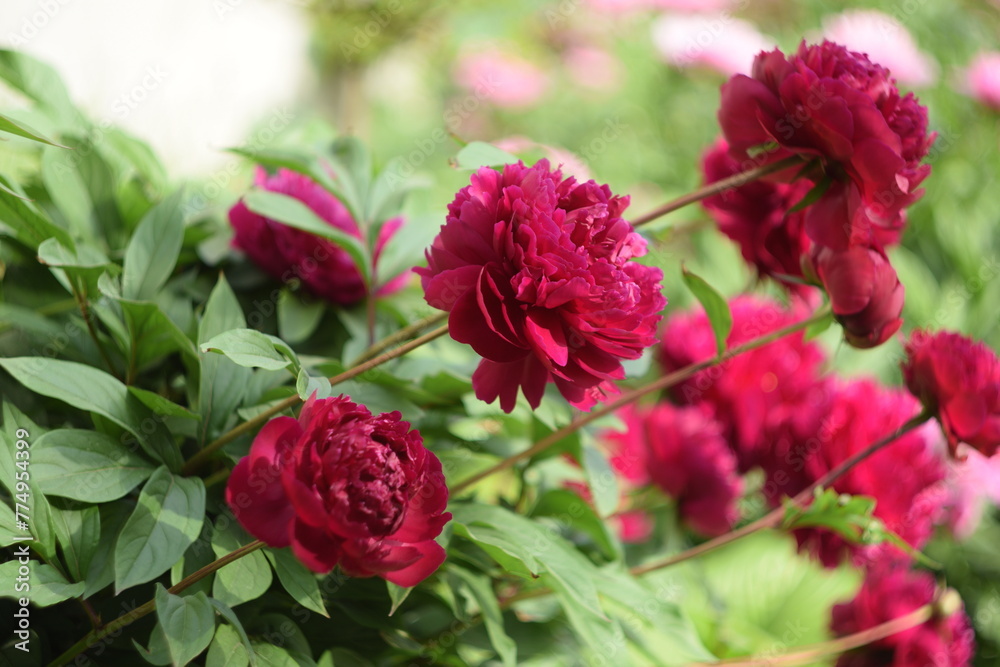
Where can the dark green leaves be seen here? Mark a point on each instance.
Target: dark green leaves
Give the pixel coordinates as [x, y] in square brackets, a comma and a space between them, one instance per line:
[715, 306]
[86, 465]
[87, 388]
[188, 624]
[166, 519]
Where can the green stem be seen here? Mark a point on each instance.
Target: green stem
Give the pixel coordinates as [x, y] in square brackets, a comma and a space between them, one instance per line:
[200, 458]
[130, 617]
[405, 333]
[628, 397]
[712, 189]
[81, 302]
[775, 517]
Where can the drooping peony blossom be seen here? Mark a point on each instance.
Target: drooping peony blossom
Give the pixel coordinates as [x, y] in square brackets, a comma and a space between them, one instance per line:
[891, 591]
[501, 78]
[885, 41]
[757, 216]
[958, 380]
[905, 477]
[716, 41]
[983, 79]
[681, 451]
[757, 391]
[536, 272]
[344, 487]
[287, 253]
[834, 105]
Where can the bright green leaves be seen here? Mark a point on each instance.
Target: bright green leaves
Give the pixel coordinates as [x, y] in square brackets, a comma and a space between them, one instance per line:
[716, 308]
[252, 349]
[166, 519]
[478, 154]
[152, 252]
[222, 383]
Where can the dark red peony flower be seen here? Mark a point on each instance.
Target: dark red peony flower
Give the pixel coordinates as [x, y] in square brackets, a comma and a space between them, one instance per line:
[865, 293]
[959, 381]
[344, 487]
[835, 105]
[286, 253]
[757, 216]
[758, 391]
[682, 451]
[891, 591]
[536, 273]
[905, 478]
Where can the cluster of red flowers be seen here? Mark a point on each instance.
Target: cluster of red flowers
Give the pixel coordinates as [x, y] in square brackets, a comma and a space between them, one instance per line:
[828, 220]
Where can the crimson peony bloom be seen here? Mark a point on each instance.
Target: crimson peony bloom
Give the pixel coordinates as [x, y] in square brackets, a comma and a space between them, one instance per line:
[752, 394]
[344, 487]
[860, 413]
[286, 253]
[891, 591]
[828, 103]
[958, 380]
[682, 451]
[757, 217]
[535, 270]
[865, 293]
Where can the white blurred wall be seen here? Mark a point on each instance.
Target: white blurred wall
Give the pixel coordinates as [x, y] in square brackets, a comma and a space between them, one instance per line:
[189, 76]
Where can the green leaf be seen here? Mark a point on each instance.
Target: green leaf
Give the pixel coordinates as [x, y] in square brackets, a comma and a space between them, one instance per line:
[482, 592]
[41, 83]
[90, 389]
[69, 193]
[161, 405]
[52, 253]
[227, 650]
[101, 572]
[152, 253]
[8, 124]
[397, 595]
[478, 154]
[244, 579]
[45, 585]
[166, 519]
[297, 319]
[572, 510]
[188, 623]
[86, 465]
[31, 225]
[151, 334]
[38, 512]
[234, 621]
[296, 161]
[306, 384]
[252, 349]
[78, 532]
[818, 327]
[297, 579]
[604, 637]
[222, 384]
[715, 307]
[601, 479]
[539, 549]
[812, 196]
[292, 212]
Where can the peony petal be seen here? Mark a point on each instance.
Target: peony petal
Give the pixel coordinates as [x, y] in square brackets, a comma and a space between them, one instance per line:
[318, 550]
[258, 501]
[432, 555]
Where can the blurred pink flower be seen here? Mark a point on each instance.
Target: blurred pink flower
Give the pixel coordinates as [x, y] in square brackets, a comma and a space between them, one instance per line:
[565, 160]
[974, 482]
[501, 78]
[720, 42]
[983, 78]
[886, 41]
[593, 67]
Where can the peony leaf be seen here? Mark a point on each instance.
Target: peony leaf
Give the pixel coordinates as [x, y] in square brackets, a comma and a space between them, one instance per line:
[20, 214]
[715, 307]
[90, 389]
[252, 349]
[46, 585]
[86, 465]
[397, 595]
[478, 154]
[601, 479]
[21, 129]
[153, 250]
[298, 319]
[297, 579]
[188, 624]
[166, 519]
[236, 628]
[242, 580]
[573, 511]
[222, 384]
[292, 212]
[227, 650]
[78, 532]
[479, 586]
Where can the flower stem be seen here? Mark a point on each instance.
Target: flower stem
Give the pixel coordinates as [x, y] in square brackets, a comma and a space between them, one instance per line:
[630, 396]
[196, 461]
[712, 189]
[130, 617]
[403, 334]
[774, 518]
[807, 655]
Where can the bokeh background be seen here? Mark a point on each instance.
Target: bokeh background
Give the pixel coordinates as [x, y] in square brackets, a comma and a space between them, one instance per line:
[623, 91]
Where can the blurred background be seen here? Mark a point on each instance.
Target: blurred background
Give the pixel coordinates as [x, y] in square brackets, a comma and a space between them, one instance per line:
[622, 91]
